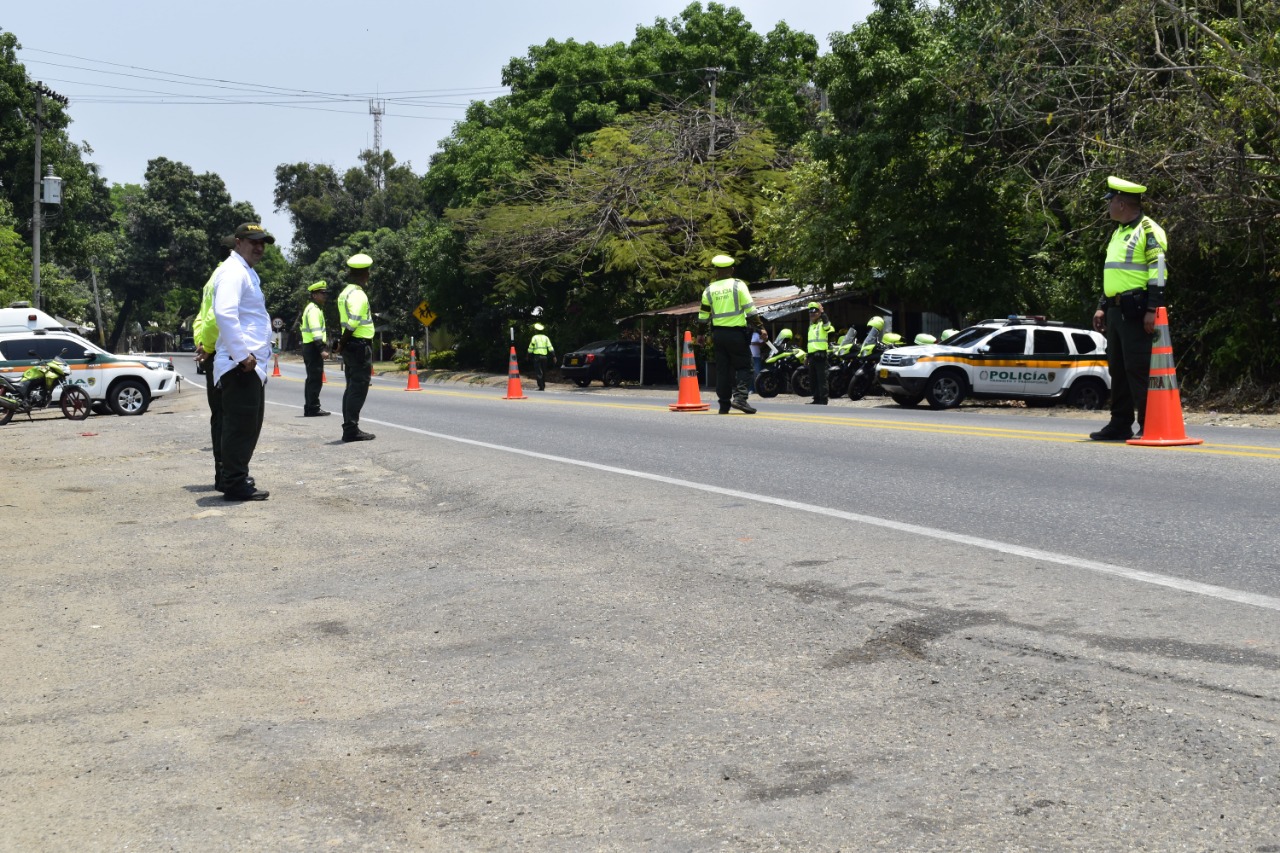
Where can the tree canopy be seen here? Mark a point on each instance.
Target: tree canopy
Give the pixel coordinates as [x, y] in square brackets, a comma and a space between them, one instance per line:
[946, 155]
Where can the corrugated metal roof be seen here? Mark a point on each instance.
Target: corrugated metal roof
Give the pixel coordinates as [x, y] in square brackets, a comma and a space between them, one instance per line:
[771, 300]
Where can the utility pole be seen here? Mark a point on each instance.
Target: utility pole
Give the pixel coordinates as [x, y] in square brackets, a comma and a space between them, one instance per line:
[36, 215]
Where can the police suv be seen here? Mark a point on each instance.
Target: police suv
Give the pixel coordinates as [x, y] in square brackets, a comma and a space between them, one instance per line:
[1020, 358]
[121, 384]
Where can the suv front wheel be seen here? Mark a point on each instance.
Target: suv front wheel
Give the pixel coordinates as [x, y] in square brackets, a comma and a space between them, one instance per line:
[129, 397]
[946, 389]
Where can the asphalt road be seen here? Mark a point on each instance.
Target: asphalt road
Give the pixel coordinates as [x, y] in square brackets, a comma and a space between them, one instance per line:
[568, 623]
[1202, 514]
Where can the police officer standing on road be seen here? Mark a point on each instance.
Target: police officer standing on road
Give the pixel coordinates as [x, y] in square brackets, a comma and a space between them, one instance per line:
[239, 368]
[314, 348]
[356, 318]
[819, 346]
[727, 304]
[1132, 291]
[204, 329]
[541, 349]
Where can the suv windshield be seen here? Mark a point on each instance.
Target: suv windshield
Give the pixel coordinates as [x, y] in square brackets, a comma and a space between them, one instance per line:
[967, 337]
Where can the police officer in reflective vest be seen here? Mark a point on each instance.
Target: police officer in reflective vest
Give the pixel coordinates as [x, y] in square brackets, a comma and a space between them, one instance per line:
[819, 347]
[356, 345]
[1132, 291]
[314, 348]
[541, 349]
[204, 329]
[727, 304]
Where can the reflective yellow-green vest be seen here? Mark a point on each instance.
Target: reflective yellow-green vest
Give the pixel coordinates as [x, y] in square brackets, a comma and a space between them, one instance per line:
[1131, 262]
[354, 313]
[726, 302]
[818, 333]
[204, 328]
[540, 345]
[312, 325]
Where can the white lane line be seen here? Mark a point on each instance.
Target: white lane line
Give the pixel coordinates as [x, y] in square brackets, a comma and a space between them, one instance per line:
[1193, 587]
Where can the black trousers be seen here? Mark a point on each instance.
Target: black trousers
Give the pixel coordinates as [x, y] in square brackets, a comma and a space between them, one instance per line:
[732, 347]
[818, 364]
[540, 371]
[314, 361]
[243, 405]
[214, 395]
[357, 364]
[1129, 362]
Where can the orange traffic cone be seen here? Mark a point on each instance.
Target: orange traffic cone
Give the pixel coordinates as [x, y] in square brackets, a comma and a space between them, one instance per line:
[275, 371]
[413, 372]
[1163, 426]
[324, 379]
[689, 398]
[514, 391]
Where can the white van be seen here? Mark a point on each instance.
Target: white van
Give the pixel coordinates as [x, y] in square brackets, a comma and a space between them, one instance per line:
[20, 317]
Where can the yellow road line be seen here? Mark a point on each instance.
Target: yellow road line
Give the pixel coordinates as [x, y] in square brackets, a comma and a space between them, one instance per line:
[898, 426]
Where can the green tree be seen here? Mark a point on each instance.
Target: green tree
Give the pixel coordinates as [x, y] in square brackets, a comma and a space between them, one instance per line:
[85, 207]
[171, 233]
[890, 196]
[564, 91]
[1181, 96]
[325, 207]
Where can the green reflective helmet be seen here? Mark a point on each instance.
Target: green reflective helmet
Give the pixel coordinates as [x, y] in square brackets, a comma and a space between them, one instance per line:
[924, 339]
[876, 323]
[946, 333]
[784, 335]
[892, 338]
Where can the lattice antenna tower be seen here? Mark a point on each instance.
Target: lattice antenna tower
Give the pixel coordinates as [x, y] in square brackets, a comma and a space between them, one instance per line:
[377, 107]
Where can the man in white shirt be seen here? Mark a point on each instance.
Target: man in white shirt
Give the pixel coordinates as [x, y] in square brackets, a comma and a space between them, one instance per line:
[239, 368]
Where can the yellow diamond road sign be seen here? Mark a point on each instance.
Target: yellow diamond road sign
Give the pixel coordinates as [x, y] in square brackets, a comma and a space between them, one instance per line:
[424, 315]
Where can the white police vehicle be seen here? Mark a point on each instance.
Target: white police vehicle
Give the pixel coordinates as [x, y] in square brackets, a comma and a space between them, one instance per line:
[124, 384]
[1020, 358]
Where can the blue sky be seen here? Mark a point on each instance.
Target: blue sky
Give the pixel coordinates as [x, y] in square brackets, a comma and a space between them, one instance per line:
[105, 56]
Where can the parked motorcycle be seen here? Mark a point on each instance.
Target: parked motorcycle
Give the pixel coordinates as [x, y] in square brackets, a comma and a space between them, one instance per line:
[844, 361]
[36, 391]
[774, 378]
[865, 375]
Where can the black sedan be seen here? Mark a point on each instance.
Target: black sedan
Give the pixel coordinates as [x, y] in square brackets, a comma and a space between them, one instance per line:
[615, 362]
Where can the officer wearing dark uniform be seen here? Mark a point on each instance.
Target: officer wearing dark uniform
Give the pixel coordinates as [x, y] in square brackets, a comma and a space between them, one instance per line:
[356, 318]
[542, 351]
[819, 347]
[727, 304]
[314, 348]
[1132, 291]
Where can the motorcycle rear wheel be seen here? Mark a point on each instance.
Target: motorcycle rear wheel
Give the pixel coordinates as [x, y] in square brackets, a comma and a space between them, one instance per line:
[768, 383]
[76, 403]
[838, 383]
[6, 413]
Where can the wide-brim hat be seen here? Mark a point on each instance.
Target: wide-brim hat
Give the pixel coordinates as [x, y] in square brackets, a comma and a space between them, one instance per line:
[722, 261]
[360, 261]
[1119, 186]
